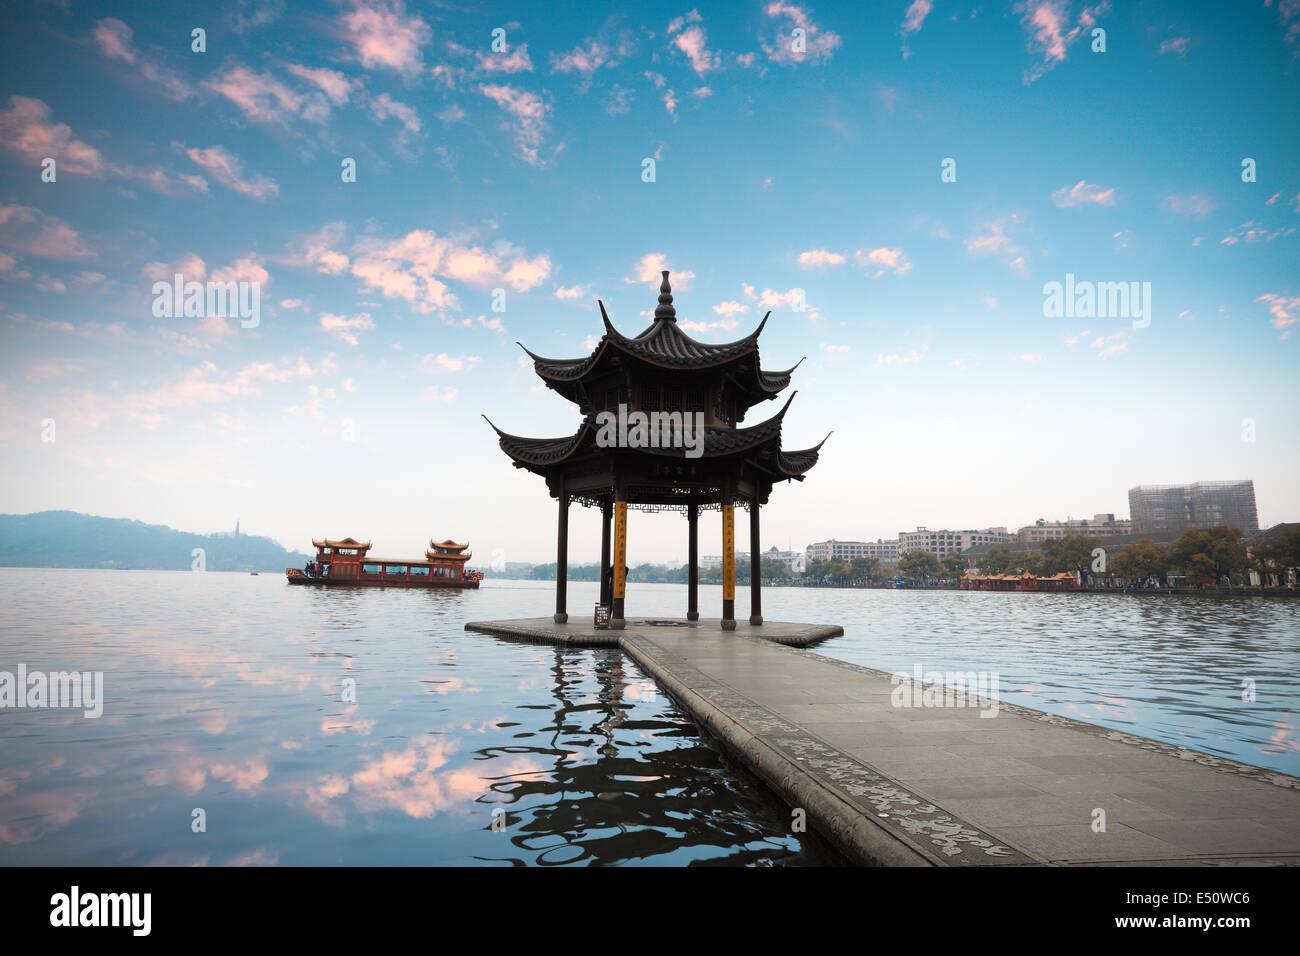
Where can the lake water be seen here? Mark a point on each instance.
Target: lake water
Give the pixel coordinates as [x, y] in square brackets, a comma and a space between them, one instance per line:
[314, 726]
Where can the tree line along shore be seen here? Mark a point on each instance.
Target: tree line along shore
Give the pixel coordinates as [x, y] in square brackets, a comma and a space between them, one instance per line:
[1218, 558]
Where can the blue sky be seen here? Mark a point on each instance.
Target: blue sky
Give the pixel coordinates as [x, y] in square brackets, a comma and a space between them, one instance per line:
[353, 406]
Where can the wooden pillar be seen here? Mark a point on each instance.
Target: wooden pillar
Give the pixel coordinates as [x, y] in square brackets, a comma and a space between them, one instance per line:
[562, 561]
[728, 560]
[606, 516]
[755, 566]
[693, 562]
[620, 562]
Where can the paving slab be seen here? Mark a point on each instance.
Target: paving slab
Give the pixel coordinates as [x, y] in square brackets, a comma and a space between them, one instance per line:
[972, 783]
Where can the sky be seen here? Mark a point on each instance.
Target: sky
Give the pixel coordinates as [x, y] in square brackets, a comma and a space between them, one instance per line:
[915, 174]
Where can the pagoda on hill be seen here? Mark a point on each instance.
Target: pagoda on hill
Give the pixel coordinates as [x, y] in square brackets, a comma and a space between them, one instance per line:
[662, 431]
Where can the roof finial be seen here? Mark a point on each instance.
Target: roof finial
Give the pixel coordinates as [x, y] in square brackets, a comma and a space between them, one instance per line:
[665, 308]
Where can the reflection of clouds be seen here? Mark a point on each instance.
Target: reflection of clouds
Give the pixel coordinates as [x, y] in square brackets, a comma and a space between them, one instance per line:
[412, 781]
[641, 690]
[258, 856]
[187, 775]
[33, 815]
[447, 686]
[341, 723]
[178, 858]
[1283, 739]
[245, 775]
[211, 718]
[190, 774]
[485, 726]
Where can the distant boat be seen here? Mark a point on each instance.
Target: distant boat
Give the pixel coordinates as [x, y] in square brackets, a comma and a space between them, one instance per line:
[345, 563]
[253, 573]
[973, 581]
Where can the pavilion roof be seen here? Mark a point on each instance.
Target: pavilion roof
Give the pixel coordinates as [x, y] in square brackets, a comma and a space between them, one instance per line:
[665, 345]
[540, 454]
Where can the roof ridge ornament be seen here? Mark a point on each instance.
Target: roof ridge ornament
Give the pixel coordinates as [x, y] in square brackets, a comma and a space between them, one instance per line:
[665, 308]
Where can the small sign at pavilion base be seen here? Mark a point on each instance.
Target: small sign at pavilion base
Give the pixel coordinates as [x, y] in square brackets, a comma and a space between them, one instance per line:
[602, 617]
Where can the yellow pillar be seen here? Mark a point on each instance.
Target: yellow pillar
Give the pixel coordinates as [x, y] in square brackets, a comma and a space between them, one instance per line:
[620, 565]
[728, 566]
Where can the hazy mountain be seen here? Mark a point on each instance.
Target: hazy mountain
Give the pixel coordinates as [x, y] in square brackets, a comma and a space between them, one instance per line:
[67, 539]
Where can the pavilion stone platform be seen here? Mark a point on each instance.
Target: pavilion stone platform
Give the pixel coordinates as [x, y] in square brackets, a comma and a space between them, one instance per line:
[943, 786]
[544, 630]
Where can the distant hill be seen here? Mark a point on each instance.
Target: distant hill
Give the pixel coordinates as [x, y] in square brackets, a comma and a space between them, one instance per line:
[68, 539]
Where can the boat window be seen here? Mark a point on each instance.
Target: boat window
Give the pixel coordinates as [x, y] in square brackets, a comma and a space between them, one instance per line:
[395, 570]
[372, 569]
[419, 571]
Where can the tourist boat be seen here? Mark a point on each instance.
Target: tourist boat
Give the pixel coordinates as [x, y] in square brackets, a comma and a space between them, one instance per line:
[973, 581]
[346, 562]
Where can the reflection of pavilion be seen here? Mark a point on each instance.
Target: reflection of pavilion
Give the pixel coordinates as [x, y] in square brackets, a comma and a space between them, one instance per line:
[661, 383]
[613, 805]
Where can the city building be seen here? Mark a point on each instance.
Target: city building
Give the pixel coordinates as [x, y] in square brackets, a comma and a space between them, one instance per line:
[793, 560]
[879, 549]
[1098, 526]
[1164, 512]
[943, 543]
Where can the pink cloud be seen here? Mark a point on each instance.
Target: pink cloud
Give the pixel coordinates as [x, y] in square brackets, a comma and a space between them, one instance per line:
[345, 327]
[27, 128]
[384, 36]
[1050, 36]
[1084, 193]
[114, 39]
[730, 310]
[1191, 205]
[384, 106]
[413, 268]
[1286, 311]
[590, 56]
[335, 85]
[884, 258]
[260, 96]
[227, 169]
[818, 44]
[694, 43]
[648, 268]
[29, 230]
[507, 61]
[527, 112]
[816, 258]
[915, 15]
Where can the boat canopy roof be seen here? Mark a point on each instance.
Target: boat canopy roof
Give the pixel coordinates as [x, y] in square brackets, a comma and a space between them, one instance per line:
[345, 543]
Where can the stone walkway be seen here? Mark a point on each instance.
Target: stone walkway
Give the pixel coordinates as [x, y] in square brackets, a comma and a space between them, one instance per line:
[942, 785]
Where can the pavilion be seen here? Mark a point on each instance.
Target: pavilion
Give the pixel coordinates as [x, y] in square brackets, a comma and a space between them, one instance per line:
[678, 446]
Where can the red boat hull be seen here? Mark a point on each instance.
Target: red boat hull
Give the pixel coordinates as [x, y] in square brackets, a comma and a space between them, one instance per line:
[295, 576]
